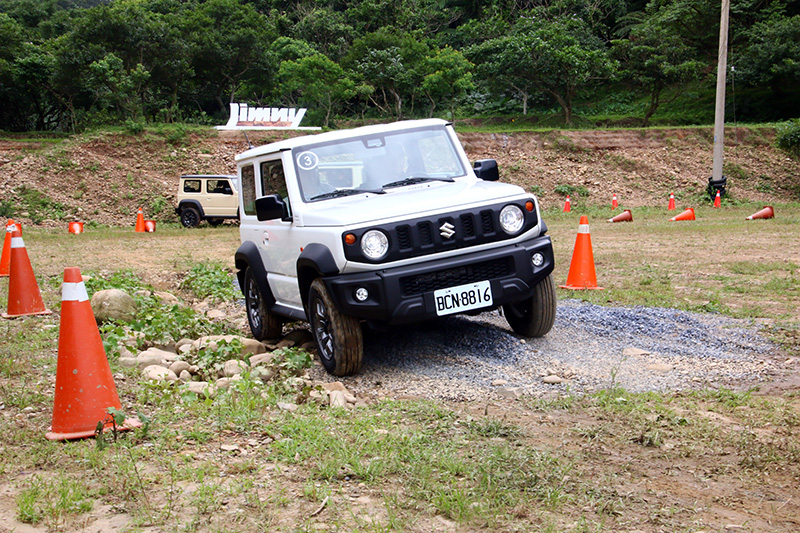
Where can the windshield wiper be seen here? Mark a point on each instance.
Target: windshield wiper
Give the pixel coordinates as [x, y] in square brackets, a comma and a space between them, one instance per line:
[413, 180]
[345, 192]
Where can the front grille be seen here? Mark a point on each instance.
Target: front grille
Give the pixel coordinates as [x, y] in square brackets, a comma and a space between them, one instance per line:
[452, 277]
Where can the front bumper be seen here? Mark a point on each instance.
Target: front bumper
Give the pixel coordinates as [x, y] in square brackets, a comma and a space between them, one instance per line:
[405, 294]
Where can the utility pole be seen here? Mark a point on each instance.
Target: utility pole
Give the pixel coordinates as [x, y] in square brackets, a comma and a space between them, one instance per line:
[719, 114]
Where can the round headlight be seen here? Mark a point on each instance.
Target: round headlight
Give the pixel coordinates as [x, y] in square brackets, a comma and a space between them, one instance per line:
[374, 244]
[511, 219]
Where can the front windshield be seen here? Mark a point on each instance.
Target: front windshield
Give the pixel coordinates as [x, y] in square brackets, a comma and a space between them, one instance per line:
[372, 163]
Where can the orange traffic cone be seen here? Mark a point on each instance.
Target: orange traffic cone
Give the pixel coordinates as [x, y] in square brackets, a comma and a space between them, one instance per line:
[671, 206]
[84, 385]
[688, 214]
[140, 222]
[625, 216]
[767, 212]
[717, 200]
[24, 297]
[567, 207]
[581, 269]
[150, 226]
[75, 227]
[614, 203]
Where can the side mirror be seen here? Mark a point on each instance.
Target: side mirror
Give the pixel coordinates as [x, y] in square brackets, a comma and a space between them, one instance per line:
[486, 169]
[271, 207]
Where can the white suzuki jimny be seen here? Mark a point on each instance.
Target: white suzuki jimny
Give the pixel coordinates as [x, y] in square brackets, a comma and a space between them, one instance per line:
[385, 225]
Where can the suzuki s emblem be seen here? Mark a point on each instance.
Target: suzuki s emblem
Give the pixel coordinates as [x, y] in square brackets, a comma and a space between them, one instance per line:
[447, 230]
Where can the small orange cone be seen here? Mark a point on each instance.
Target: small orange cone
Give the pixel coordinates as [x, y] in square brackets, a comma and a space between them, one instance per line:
[84, 385]
[150, 226]
[717, 200]
[140, 222]
[567, 207]
[688, 214]
[767, 212]
[5, 259]
[581, 269]
[625, 216]
[671, 206]
[614, 203]
[75, 228]
[24, 297]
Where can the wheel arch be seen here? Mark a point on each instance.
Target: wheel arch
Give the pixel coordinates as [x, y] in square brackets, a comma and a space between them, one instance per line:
[248, 256]
[315, 261]
[192, 203]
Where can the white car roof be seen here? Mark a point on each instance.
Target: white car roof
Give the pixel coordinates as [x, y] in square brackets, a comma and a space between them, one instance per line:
[304, 140]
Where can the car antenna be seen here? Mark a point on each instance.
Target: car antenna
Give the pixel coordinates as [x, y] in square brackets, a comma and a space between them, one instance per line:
[248, 140]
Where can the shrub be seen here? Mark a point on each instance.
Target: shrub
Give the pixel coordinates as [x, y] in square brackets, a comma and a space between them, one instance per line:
[789, 136]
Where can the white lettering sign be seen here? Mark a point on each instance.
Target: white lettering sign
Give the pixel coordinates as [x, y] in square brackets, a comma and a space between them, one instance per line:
[244, 117]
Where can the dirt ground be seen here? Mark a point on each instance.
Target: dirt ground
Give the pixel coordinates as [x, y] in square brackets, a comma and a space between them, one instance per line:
[670, 487]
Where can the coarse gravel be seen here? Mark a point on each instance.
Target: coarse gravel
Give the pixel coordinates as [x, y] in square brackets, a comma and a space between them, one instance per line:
[590, 347]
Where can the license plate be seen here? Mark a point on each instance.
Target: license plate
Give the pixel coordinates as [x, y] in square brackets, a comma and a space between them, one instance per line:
[463, 298]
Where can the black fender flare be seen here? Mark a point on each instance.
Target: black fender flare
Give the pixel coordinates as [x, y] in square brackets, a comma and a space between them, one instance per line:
[248, 256]
[192, 203]
[316, 260]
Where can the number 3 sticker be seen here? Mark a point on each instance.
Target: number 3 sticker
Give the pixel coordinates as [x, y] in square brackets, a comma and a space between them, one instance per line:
[307, 161]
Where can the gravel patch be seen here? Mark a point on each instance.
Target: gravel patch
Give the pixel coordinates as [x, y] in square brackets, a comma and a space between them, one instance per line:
[590, 347]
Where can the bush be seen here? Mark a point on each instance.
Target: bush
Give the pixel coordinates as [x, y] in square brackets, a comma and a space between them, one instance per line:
[789, 136]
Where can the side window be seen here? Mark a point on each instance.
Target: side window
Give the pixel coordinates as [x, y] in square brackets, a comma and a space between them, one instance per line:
[191, 186]
[249, 190]
[218, 187]
[272, 179]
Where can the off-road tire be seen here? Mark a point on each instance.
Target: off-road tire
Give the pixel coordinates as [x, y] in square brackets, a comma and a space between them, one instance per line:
[190, 217]
[263, 323]
[339, 340]
[534, 316]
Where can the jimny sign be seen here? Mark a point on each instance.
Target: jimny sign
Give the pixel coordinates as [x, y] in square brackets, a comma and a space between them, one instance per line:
[244, 117]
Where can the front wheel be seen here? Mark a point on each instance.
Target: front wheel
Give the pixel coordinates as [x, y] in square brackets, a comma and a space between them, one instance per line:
[338, 337]
[263, 323]
[534, 316]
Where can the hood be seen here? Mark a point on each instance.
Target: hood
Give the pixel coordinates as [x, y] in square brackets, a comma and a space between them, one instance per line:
[410, 201]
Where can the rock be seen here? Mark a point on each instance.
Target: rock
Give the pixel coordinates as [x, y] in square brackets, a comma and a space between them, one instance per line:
[512, 393]
[223, 383]
[127, 362]
[184, 349]
[632, 352]
[335, 386]
[167, 297]
[285, 343]
[660, 367]
[124, 352]
[262, 358]
[499, 382]
[113, 304]
[216, 314]
[252, 347]
[179, 366]
[283, 406]
[233, 367]
[263, 373]
[159, 373]
[155, 356]
[336, 399]
[199, 387]
[552, 379]
[185, 375]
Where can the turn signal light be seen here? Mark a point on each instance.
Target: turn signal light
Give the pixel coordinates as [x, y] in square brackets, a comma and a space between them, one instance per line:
[350, 238]
[529, 206]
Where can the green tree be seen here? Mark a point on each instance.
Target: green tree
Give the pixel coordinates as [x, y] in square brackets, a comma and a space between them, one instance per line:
[558, 57]
[772, 55]
[316, 80]
[447, 77]
[655, 59]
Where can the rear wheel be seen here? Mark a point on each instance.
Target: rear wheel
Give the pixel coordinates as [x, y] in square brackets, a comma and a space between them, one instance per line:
[534, 316]
[263, 323]
[339, 339]
[190, 217]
